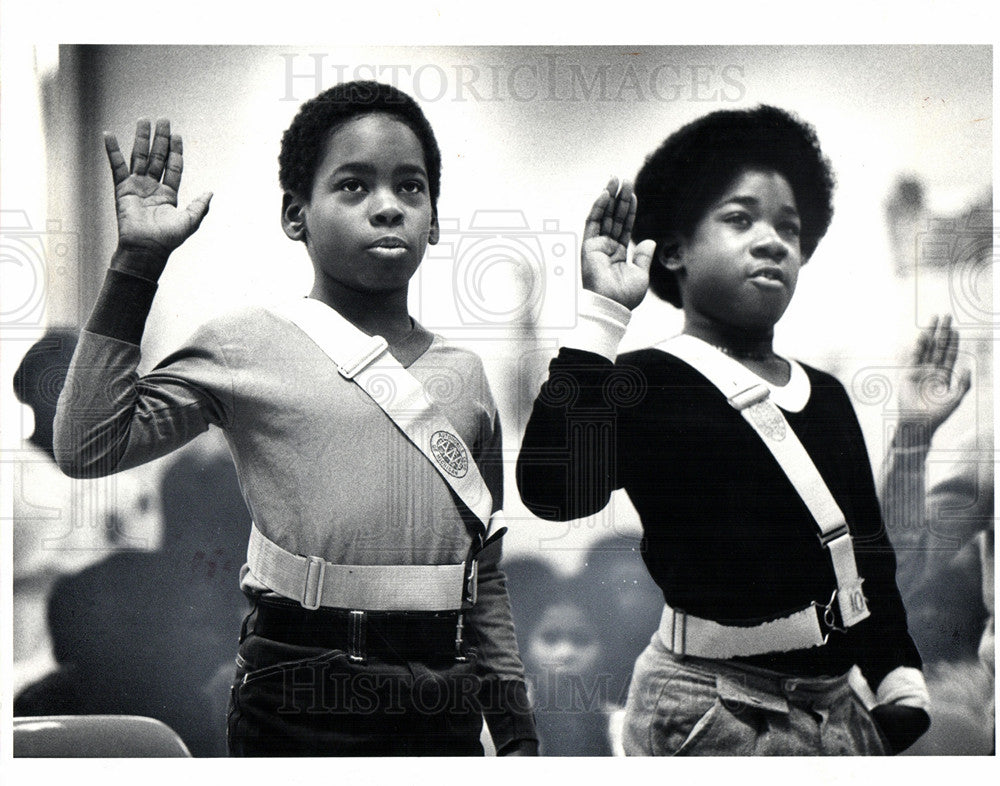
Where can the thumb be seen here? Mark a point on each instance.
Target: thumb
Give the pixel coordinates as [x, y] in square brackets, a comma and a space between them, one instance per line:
[643, 256]
[198, 209]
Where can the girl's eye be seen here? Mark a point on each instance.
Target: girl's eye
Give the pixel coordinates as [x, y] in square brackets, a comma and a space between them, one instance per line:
[412, 187]
[790, 230]
[352, 186]
[739, 220]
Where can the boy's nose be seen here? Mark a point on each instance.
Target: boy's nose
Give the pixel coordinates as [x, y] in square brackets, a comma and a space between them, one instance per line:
[386, 210]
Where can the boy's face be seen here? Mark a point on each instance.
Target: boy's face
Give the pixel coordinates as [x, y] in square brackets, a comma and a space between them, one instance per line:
[741, 264]
[369, 218]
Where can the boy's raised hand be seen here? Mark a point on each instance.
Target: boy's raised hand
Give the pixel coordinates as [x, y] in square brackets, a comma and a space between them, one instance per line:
[930, 390]
[150, 226]
[605, 265]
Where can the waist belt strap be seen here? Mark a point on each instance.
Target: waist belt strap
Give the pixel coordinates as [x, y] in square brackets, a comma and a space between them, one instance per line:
[686, 635]
[367, 362]
[751, 397]
[314, 582]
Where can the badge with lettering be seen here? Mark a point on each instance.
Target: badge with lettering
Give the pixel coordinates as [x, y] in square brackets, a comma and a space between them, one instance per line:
[450, 453]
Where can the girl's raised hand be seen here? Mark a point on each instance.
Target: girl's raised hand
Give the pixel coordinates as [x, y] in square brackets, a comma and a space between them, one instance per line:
[150, 226]
[604, 258]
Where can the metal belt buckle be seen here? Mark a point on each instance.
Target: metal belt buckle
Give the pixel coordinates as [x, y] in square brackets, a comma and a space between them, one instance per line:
[828, 617]
[459, 626]
[356, 624]
[312, 587]
[683, 632]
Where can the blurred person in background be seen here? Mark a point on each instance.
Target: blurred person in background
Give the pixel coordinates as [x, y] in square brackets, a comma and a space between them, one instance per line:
[943, 536]
[145, 633]
[60, 525]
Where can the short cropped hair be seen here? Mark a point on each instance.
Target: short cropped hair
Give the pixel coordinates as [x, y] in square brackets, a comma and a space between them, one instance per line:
[694, 165]
[304, 141]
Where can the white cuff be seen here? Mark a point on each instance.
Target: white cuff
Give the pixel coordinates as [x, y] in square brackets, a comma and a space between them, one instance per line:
[904, 685]
[600, 325]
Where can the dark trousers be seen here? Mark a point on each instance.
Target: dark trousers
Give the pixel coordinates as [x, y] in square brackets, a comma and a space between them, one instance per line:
[299, 700]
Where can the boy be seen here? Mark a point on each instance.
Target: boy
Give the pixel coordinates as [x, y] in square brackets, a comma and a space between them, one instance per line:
[381, 623]
[748, 470]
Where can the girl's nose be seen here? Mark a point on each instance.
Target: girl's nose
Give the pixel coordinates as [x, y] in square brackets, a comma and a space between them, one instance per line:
[770, 246]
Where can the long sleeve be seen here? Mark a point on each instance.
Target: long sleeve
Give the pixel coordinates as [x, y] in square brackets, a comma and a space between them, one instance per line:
[108, 418]
[567, 466]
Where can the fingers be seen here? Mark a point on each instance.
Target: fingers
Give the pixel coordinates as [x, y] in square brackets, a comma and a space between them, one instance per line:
[643, 256]
[623, 214]
[925, 342]
[151, 160]
[140, 148]
[175, 163]
[613, 213]
[160, 149]
[602, 204]
[198, 209]
[119, 169]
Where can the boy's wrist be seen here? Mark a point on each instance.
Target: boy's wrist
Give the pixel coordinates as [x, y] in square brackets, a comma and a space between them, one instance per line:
[145, 264]
[122, 307]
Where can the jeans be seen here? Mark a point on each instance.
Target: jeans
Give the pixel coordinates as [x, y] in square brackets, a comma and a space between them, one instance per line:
[293, 700]
[698, 707]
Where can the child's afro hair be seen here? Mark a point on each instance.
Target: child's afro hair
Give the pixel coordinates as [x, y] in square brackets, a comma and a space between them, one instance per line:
[303, 143]
[695, 164]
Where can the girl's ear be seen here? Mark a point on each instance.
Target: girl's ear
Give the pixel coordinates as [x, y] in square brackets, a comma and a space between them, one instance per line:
[293, 216]
[670, 253]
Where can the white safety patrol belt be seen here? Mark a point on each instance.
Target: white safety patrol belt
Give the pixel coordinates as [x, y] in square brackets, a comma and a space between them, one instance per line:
[314, 582]
[748, 394]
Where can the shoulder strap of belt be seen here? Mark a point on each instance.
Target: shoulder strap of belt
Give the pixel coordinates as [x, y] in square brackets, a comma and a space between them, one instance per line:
[366, 361]
[746, 393]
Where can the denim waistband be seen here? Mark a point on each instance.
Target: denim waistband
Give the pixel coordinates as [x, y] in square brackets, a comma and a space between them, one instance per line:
[758, 686]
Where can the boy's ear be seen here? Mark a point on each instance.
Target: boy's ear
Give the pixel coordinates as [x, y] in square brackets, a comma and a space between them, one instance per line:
[293, 216]
[435, 233]
[670, 253]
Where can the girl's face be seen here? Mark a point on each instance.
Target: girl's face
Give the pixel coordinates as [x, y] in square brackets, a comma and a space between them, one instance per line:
[564, 642]
[741, 264]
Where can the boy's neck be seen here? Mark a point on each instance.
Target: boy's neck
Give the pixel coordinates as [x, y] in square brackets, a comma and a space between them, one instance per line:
[383, 314]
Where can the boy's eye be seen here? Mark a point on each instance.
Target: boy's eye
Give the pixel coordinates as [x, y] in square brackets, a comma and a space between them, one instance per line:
[352, 186]
[411, 187]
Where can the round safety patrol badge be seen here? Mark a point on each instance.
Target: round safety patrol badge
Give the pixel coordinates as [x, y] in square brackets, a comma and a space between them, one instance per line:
[450, 453]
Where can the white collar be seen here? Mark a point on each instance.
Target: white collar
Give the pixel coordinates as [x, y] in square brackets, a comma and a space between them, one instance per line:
[791, 397]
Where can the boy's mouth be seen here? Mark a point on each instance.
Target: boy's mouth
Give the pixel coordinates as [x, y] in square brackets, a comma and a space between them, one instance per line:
[389, 241]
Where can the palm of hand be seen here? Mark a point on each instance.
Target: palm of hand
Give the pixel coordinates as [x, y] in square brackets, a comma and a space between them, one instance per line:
[929, 389]
[148, 218]
[606, 269]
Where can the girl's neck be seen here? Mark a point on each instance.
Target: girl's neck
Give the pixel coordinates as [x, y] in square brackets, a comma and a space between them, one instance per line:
[752, 349]
[740, 344]
[383, 314]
